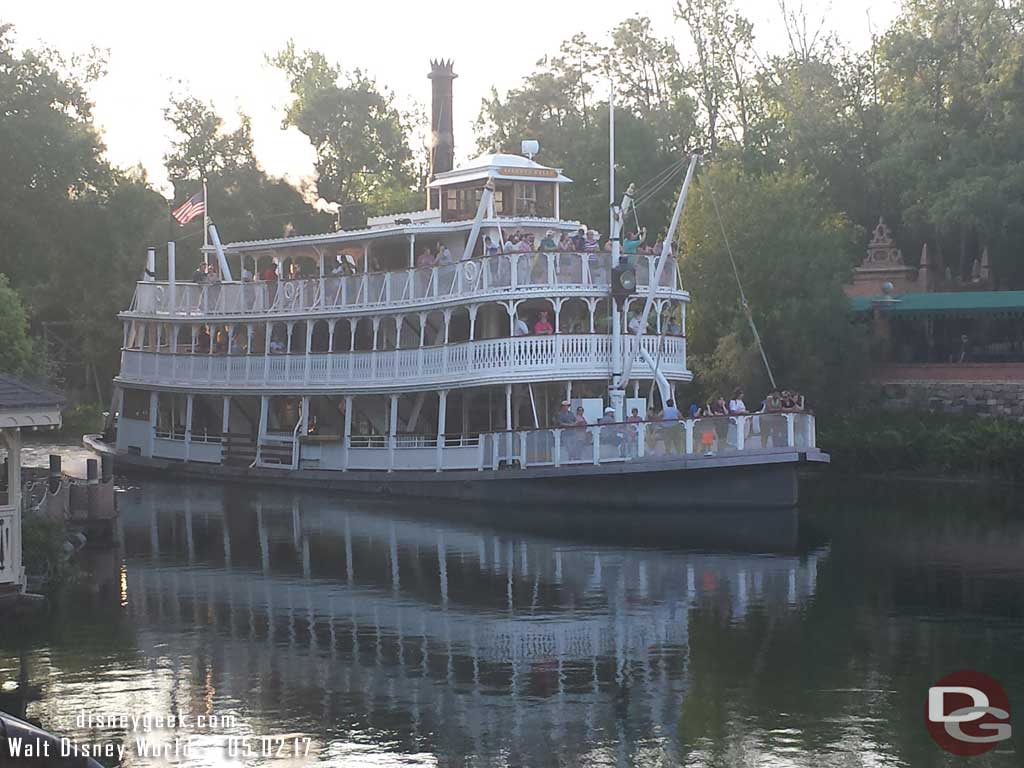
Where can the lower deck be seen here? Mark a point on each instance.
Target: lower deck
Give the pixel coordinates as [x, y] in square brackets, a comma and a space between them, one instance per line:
[480, 439]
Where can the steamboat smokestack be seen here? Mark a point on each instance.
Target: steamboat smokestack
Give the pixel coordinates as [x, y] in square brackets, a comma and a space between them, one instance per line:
[442, 140]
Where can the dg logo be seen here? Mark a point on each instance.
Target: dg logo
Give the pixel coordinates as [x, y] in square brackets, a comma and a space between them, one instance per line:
[968, 713]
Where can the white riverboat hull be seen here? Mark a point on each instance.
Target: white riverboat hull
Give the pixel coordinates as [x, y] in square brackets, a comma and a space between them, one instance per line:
[754, 479]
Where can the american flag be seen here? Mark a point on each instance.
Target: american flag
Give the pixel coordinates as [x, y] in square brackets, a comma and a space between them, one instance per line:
[194, 206]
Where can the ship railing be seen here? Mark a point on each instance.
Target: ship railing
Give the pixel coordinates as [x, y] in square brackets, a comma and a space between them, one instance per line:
[411, 441]
[564, 354]
[502, 273]
[649, 441]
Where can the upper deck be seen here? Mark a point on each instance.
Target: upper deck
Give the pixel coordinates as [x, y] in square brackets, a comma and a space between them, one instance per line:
[474, 280]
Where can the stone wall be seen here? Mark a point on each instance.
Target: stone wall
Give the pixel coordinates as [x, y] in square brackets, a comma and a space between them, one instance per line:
[973, 389]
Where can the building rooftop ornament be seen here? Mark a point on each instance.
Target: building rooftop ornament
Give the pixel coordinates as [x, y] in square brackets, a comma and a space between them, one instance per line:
[882, 249]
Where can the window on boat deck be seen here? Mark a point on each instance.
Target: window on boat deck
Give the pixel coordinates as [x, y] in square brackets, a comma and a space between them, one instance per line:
[525, 198]
[135, 404]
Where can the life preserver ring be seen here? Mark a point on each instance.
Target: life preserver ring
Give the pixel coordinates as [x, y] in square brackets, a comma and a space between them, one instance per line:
[470, 270]
[289, 291]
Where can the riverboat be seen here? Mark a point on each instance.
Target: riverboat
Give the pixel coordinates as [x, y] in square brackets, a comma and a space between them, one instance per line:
[379, 370]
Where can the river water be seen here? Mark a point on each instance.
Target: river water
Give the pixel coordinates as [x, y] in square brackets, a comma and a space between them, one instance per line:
[336, 631]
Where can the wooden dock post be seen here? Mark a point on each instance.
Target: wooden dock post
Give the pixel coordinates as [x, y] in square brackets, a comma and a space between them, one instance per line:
[55, 473]
[92, 473]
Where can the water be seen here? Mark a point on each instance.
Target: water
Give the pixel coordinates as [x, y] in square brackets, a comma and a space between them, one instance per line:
[387, 634]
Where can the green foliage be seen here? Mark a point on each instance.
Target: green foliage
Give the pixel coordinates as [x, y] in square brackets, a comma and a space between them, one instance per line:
[360, 137]
[16, 353]
[654, 118]
[793, 255]
[245, 203]
[937, 444]
[83, 419]
[43, 553]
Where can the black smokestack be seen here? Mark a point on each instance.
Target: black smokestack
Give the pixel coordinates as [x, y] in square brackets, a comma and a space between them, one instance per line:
[442, 144]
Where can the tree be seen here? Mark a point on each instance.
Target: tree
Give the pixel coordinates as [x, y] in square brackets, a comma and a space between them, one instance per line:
[950, 79]
[723, 41]
[654, 119]
[245, 203]
[360, 137]
[17, 356]
[202, 147]
[793, 254]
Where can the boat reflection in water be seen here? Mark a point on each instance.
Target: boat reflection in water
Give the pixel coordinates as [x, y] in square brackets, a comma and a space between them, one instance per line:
[446, 632]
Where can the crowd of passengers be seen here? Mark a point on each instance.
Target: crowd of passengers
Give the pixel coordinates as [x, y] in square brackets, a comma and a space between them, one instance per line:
[583, 241]
[665, 435]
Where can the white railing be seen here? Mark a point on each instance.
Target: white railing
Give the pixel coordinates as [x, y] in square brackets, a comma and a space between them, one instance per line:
[512, 359]
[10, 546]
[649, 441]
[594, 445]
[482, 277]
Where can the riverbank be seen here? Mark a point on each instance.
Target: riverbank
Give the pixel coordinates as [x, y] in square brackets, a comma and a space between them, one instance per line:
[967, 448]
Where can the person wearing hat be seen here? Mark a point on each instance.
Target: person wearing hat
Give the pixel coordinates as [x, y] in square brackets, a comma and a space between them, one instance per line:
[547, 243]
[565, 417]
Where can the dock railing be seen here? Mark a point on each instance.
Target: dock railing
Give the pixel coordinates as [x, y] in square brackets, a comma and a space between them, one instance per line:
[11, 571]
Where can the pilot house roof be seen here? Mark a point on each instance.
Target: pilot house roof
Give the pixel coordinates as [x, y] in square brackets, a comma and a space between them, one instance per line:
[500, 166]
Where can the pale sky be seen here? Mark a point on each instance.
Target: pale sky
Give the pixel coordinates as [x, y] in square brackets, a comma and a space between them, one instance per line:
[215, 50]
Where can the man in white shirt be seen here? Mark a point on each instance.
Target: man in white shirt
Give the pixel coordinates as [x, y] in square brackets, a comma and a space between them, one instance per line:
[736, 406]
[520, 328]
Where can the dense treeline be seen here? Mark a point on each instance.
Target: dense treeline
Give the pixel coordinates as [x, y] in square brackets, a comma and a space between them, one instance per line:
[804, 151]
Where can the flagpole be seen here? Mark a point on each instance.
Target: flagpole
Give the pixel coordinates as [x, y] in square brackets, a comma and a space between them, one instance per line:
[206, 225]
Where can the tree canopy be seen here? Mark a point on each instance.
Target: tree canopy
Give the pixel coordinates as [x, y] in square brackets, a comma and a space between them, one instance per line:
[805, 148]
[361, 138]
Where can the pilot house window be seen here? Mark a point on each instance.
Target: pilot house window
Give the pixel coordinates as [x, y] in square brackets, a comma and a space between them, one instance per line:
[526, 199]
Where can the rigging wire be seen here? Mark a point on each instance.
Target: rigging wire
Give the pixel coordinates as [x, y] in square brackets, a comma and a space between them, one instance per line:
[658, 178]
[663, 179]
[739, 284]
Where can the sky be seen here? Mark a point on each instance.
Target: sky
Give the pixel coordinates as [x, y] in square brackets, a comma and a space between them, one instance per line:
[216, 51]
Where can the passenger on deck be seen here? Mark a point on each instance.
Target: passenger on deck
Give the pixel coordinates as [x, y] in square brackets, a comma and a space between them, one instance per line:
[201, 274]
[579, 239]
[425, 259]
[547, 243]
[444, 255]
[634, 240]
[673, 430]
[592, 244]
[736, 406]
[576, 437]
[565, 417]
[543, 325]
[270, 273]
[220, 343]
[633, 431]
[203, 340]
[520, 328]
[490, 249]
